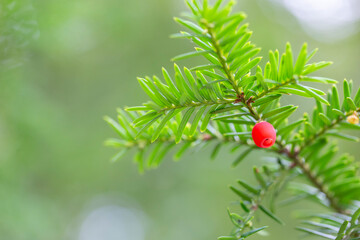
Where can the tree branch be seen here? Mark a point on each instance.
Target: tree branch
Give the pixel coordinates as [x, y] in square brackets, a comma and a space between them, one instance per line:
[317, 183]
[222, 59]
[229, 74]
[287, 82]
[323, 131]
[198, 104]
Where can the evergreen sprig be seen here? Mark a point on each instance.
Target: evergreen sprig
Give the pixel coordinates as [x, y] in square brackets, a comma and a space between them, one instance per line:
[333, 226]
[269, 182]
[221, 101]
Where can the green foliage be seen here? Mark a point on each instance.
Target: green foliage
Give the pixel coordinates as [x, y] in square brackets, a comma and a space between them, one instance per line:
[337, 174]
[18, 26]
[222, 100]
[333, 226]
[149, 154]
[269, 184]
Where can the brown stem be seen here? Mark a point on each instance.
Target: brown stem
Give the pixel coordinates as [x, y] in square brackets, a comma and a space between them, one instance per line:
[323, 131]
[317, 183]
[289, 81]
[230, 75]
[294, 157]
[222, 60]
[197, 104]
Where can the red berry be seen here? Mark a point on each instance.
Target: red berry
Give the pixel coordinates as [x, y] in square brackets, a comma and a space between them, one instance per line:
[264, 134]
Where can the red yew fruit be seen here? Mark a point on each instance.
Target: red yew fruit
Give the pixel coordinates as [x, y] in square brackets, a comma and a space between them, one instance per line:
[264, 134]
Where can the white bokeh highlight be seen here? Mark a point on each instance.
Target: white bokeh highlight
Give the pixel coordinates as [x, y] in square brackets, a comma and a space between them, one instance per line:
[112, 222]
[325, 20]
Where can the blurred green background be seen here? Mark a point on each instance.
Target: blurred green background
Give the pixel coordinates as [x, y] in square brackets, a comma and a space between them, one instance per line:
[66, 64]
